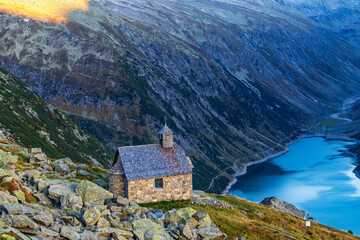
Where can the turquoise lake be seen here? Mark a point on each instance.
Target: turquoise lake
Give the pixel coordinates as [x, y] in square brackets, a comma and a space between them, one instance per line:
[315, 175]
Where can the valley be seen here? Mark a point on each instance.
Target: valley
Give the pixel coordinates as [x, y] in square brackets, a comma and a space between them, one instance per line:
[237, 81]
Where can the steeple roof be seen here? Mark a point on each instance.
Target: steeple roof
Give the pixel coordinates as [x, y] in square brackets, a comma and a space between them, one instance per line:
[166, 130]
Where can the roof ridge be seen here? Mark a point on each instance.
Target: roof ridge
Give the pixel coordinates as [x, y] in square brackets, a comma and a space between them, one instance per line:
[144, 145]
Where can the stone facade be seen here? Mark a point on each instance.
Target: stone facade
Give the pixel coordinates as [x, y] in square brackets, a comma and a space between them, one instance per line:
[166, 141]
[174, 188]
[118, 185]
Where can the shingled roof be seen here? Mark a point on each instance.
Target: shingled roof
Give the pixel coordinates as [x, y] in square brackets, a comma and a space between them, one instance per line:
[165, 130]
[150, 161]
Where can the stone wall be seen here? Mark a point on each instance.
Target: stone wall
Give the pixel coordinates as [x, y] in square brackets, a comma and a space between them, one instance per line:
[174, 188]
[117, 185]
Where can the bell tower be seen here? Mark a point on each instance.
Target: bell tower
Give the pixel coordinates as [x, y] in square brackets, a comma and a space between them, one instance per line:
[166, 137]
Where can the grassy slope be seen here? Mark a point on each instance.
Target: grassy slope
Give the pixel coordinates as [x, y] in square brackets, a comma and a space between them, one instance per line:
[34, 123]
[243, 221]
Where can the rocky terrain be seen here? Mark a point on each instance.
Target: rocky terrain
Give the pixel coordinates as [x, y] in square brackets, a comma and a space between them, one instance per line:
[237, 80]
[45, 198]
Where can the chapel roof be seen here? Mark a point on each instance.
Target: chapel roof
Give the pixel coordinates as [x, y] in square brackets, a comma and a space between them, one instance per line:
[150, 161]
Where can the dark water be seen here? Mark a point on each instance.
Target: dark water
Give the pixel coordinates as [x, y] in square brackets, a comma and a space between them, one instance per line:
[315, 175]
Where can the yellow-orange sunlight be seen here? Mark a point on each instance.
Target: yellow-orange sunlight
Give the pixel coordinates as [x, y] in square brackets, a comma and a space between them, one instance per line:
[44, 10]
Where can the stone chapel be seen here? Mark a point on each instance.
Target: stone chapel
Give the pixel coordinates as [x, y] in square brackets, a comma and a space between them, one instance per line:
[152, 173]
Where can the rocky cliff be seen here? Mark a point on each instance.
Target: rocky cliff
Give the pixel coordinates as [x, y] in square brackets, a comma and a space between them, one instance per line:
[237, 79]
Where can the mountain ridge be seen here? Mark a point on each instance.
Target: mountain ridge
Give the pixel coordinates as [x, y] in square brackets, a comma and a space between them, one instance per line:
[230, 90]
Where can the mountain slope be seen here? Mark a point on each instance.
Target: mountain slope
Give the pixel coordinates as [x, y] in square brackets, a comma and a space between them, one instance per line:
[338, 15]
[29, 120]
[237, 79]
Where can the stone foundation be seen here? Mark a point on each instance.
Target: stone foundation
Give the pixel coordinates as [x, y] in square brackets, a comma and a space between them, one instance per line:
[174, 188]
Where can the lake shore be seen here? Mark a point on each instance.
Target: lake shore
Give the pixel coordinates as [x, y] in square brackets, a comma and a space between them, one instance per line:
[271, 156]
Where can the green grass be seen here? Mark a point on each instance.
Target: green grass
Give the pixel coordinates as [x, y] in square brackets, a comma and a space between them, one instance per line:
[242, 221]
[25, 127]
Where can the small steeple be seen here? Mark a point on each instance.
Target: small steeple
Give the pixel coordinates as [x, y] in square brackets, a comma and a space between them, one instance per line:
[166, 137]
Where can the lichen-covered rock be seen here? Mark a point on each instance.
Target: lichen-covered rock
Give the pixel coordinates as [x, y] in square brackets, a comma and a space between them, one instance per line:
[203, 220]
[150, 230]
[112, 232]
[5, 197]
[130, 208]
[43, 218]
[61, 190]
[175, 217]
[209, 233]
[91, 216]
[43, 199]
[91, 192]
[71, 201]
[15, 208]
[12, 233]
[87, 235]
[48, 233]
[41, 185]
[32, 175]
[22, 221]
[38, 157]
[103, 223]
[61, 167]
[122, 201]
[7, 158]
[20, 195]
[70, 233]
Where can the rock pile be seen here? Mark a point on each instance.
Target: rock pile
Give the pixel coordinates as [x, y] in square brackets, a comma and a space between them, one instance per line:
[42, 198]
[201, 198]
[283, 206]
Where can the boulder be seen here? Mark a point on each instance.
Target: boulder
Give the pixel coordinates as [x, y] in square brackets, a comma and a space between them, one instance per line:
[103, 223]
[47, 233]
[43, 218]
[35, 150]
[43, 199]
[122, 201]
[16, 208]
[70, 233]
[20, 195]
[150, 230]
[283, 206]
[203, 220]
[91, 216]
[37, 158]
[91, 192]
[113, 232]
[209, 233]
[71, 201]
[22, 221]
[61, 190]
[175, 217]
[61, 167]
[41, 185]
[7, 158]
[32, 175]
[87, 235]
[130, 208]
[12, 233]
[5, 197]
